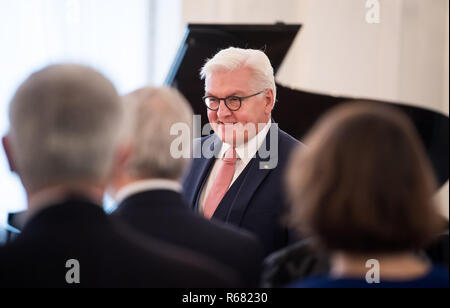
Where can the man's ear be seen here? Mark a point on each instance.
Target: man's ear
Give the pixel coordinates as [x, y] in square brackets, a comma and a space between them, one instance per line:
[7, 148]
[268, 98]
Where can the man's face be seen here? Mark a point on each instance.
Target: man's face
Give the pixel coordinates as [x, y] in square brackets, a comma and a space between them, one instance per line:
[233, 126]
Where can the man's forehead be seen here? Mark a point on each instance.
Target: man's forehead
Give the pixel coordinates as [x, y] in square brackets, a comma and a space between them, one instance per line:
[224, 92]
[230, 83]
[245, 72]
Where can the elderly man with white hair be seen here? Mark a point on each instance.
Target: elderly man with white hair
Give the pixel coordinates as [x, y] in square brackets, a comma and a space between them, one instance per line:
[64, 137]
[148, 191]
[237, 176]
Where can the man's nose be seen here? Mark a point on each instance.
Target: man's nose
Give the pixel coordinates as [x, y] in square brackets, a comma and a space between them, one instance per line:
[223, 110]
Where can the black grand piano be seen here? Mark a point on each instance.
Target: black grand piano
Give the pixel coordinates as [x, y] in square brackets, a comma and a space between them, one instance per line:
[297, 110]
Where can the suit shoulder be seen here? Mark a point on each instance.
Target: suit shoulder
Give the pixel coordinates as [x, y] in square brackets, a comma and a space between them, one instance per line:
[232, 231]
[201, 140]
[198, 143]
[219, 228]
[287, 144]
[244, 243]
[288, 139]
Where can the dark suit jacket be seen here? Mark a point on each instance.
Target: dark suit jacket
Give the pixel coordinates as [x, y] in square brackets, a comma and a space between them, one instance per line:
[256, 200]
[163, 215]
[109, 255]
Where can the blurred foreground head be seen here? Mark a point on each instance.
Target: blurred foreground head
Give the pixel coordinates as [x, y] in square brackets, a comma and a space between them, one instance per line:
[364, 184]
[160, 127]
[65, 123]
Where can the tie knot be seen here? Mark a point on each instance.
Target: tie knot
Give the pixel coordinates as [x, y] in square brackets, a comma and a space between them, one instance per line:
[230, 155]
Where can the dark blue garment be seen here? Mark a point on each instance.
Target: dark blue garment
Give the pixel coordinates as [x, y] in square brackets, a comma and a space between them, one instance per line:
[436, 278]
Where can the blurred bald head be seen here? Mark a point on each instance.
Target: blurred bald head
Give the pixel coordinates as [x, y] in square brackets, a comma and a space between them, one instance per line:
[65, 123]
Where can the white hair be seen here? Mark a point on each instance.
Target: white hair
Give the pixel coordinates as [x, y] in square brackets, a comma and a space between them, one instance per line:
[233, 58]
[65, 126]
[154, 111]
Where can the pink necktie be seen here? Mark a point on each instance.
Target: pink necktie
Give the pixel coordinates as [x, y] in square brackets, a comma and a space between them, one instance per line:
[221, 182]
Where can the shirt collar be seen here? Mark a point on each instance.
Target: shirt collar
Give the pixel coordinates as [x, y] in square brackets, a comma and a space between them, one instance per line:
[248, 150]
[146, 185]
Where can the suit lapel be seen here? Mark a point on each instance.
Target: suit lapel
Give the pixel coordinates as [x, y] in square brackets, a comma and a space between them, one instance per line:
[253, 179]
[203, 166]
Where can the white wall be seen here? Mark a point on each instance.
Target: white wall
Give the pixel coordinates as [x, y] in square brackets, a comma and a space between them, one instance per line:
[167, 31]
[404, 58]
[240, 11]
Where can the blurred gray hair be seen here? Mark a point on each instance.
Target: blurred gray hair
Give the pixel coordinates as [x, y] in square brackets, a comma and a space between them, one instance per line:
[153, 112]
[65, 126]
[233, 58]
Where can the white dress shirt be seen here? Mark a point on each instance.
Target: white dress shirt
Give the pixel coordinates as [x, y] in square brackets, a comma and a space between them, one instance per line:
[245, 152]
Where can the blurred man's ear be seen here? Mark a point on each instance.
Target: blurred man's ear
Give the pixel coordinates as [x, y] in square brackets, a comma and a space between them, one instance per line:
[118, 176]
[123, 155]
[7, 148]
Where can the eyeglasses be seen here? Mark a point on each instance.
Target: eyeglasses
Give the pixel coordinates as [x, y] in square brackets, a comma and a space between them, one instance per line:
[232, 102]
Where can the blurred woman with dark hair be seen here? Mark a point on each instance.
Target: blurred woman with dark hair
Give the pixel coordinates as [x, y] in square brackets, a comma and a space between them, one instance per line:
[363, 191]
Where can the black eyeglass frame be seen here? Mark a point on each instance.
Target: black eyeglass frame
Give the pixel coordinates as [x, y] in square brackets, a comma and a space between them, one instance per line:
[204, 98]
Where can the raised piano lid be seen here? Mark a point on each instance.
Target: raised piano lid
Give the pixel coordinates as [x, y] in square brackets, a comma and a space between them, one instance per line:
[297, 110]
